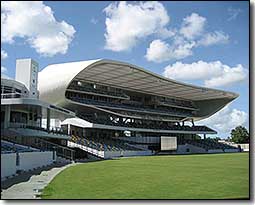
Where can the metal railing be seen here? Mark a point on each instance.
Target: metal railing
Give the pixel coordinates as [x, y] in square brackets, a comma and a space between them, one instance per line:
[98, 92]
[90, 150]
[43, 145]
[12, 95]
[54, 130]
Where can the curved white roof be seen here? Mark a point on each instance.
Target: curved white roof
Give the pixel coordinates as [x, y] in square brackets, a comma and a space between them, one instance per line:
[54, 80]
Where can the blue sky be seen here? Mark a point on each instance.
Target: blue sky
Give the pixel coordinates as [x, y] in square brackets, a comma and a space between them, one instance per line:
[203, 43]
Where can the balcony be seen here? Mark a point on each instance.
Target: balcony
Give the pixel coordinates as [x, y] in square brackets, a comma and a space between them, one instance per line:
[93, 91]
[52, 130]
[118, 106]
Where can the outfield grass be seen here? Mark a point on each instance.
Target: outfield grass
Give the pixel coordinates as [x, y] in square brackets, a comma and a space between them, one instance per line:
[209, 176]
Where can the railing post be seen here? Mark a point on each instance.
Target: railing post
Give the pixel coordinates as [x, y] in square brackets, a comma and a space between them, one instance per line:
[72, 157]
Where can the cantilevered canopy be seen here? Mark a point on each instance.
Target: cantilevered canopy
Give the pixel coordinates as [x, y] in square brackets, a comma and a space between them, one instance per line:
[55, 79]
[127, 76]
[131, 77]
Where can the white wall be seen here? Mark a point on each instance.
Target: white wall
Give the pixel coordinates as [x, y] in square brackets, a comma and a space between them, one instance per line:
[109, 154]
[27, 161]
[31, 160]
[244, 147]
[8, 164]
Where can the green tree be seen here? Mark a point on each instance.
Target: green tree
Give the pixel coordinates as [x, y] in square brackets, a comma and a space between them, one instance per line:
[217, 138]
[240, 135]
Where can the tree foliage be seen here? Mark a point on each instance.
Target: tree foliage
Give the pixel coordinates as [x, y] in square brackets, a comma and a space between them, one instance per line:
[240, 135]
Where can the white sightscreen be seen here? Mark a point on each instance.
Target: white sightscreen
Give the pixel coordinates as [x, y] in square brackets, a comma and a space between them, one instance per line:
[168, 143]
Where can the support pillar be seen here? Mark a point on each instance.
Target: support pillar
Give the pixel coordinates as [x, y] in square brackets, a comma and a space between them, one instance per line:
[7, 115]
[48, 119]
[204, 136]
[69, 129]
[193, 124]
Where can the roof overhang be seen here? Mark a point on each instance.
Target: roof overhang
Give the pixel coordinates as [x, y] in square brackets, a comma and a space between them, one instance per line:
[55, 79]
[131, 77]
[56, 112]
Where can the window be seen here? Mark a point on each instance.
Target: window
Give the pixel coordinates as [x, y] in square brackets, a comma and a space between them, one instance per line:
[2, 117]
[30, 116]
[17, 91]
[19, 117]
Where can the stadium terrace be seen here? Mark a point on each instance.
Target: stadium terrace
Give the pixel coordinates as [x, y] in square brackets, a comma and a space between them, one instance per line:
[105, 109]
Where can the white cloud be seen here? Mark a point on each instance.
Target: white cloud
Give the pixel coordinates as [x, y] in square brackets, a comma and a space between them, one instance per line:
[160, 51]
[35, 22]
[126, 23]
[165, 33]
[4, 55]
[195, 71]
[190, 35]
[233, 13]
[229, 76]
[192, 26]
[214, 38]
[230, 117]
[214, 74]
[3, 69]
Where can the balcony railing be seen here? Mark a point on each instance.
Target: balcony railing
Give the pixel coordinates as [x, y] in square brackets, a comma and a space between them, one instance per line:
[177, 104]
[42, 145]
[53, 130]
[134, 108]
[12, 95]
[93, 91]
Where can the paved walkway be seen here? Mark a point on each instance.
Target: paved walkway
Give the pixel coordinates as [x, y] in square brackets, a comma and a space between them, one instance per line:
[20, 188]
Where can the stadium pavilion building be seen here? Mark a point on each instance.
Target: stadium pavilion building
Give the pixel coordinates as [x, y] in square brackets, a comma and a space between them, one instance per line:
[125, 110]
[28, 140]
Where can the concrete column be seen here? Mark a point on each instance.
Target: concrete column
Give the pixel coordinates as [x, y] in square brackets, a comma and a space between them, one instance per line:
[83, 132]
[7, 115]
[204, 136]
[193, 124]
[68, 129]
[40, 122]
[48, 119]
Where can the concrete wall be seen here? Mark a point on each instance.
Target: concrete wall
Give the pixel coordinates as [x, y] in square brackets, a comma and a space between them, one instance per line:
[231, 150]
[109, 154]
[137, 153]
[244, 147]
[31, 160]
[27, 161]
[8, 164]
[215, 151]
[182, 149]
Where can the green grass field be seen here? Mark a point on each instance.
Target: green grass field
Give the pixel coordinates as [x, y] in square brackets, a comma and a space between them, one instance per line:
[209, 176]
